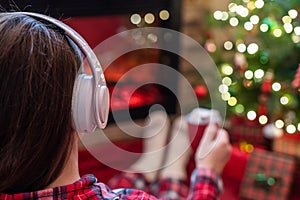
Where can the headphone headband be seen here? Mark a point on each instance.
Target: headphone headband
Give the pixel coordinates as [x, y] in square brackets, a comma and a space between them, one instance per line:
[98, 76]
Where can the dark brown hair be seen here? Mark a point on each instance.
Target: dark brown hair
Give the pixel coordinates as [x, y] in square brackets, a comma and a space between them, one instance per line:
[37, 73]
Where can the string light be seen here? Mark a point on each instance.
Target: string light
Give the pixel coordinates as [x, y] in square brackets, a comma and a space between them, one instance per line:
[232, 7]
[259, 4]
[295, 38]
[271, 26]
[248, 26]
[225, 96]
[286, 19]
[254, 19]
[149, 18]
[241, 47]
[248, 74]
[233, 21]
[242, 11]
[263, 119]
[284, 100]
[227, 81]
[279, 123]
[218, 15]
[276, 86]
[239, 108]
[252, 48]
[135, 19]
[232, 101]
[223, 88]
[225, 16]
[251, 115]
[227, 69]
[164, 14]
[290, 129]
[277, 32]
[264, 28]
[293, 13]
[228, 45]
[288, 28]
[259, 73]
[297, 30]
[251, 5]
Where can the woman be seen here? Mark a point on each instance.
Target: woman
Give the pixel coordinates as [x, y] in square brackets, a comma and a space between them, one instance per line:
[38, 146]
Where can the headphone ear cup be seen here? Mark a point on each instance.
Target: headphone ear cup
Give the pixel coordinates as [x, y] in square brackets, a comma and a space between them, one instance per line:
[103, 108]
[82, 105]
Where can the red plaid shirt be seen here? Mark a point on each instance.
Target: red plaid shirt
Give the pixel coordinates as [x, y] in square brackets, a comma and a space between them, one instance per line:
[204, 185]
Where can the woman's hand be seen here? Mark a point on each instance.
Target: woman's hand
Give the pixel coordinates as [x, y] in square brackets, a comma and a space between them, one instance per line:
[214, 149]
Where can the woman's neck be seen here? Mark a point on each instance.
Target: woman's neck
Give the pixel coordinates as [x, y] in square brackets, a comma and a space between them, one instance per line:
[70, 173]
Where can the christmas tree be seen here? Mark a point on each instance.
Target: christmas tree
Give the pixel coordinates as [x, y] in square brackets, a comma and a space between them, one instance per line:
[256, 46]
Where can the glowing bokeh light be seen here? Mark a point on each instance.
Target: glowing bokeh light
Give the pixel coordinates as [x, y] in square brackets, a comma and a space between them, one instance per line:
[252, 48]
[149, 18]
[248, 26]
[164, 14]
[251, 115]
[232, 101]
[277, 32]
[259, 73]
[284, 100]
[227, 69]
[288, 28]
[264, 28]
[228, 45]
[290, 129]
[293, 13]
[259, 4]
[254, 19]
[263, 119]
[276, 86]
[218, 15]
[279, 123]
[248, 74]
[234, 21]
[241, 48]
[135, 19]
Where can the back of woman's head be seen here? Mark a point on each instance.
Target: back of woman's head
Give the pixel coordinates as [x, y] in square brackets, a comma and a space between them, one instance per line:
[37, 72]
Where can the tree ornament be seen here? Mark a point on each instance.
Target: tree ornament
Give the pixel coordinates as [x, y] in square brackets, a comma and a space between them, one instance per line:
[296, 81]
[266, 89]
[266, 86]
[240, 61]
[200, 91]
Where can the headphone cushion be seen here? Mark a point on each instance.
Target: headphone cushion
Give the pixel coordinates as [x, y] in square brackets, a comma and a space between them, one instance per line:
[82, 105]
[103, 108]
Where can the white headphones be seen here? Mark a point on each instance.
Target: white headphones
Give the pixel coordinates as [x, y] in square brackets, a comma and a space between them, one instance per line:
[90, 103]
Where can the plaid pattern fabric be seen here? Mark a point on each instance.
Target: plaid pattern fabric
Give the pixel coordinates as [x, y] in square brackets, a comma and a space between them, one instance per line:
[170, 189]
[205, 184]
[268, 175]
[289, 144]
[129, 180]
[242, 129]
